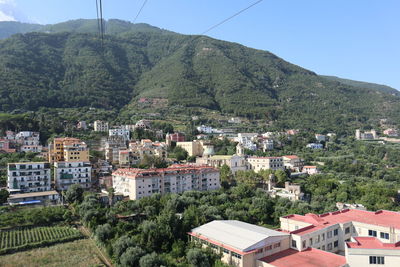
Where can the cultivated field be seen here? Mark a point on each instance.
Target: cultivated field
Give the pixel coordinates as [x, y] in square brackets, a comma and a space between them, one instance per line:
[26, 238]
[79, 253]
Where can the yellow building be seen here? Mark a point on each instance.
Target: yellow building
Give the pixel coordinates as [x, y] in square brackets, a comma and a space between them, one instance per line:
[68, 149]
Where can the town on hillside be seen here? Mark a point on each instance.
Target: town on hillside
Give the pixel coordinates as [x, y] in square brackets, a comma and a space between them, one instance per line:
[274, 198]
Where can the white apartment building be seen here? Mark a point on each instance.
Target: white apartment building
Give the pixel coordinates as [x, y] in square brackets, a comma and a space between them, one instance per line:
[69, 173]
[26, 177]
[29, 141]
[119, 132]
[330, 231]
[264, 163]
[139, 183]
[100, 126]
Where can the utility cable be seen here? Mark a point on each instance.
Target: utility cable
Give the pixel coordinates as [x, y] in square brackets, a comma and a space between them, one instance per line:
[140, 10]
[231, 17]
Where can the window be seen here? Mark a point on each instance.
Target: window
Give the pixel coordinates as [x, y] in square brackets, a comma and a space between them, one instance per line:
[323, 237]
[347, 230]
[329, 234]
[311, 242]
[259, 251]
[236, 255]
[268, 247]
[336, 244]
[304, 244]
[376, 260]
[335, 232]
[323, 247]
[277, 245]
[330, 246]
[372, 233]
[225, 251]
[384, 235]
[318, 238]
[294, 244]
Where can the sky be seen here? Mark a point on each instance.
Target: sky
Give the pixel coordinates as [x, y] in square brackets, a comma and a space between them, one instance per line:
[354, 39]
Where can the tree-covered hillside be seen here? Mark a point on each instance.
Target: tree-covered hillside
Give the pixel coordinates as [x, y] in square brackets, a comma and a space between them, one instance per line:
[142, 69]
[379, 87]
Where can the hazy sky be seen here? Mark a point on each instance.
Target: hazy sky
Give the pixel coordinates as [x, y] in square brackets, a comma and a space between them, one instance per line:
[355, 39]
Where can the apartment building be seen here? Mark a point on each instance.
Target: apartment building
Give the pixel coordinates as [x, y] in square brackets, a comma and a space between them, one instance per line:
[264, 163]
[139, 183]
[138, 150]
[112, 146]
[28, 177]
[234, 162]
[124, 133]
[29, 141]
[69, 173]
[195, 148]
[68, 149]
[242, 244]
[293, 162]
[100, 126]
[330, 231]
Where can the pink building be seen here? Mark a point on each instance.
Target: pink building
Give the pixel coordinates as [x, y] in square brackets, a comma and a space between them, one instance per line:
[5, 146]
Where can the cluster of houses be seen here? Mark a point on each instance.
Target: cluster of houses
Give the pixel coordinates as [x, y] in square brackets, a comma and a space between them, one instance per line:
[32, 182]
[25, 141]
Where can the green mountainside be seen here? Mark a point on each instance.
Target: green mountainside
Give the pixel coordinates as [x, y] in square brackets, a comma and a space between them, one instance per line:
[379, 87]
[144, 71]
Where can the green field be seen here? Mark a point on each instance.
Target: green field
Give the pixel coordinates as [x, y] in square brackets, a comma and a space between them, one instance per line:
[79, 253]
[26, 238]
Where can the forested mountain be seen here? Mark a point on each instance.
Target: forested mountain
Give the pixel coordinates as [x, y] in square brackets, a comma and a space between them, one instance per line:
[142, 69]
[375, 86]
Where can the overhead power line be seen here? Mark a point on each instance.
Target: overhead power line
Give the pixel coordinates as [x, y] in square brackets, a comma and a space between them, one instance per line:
[140, 10]
[231, 17]
[100, 22]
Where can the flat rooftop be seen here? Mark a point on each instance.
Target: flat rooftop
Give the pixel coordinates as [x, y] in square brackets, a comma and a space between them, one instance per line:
[383, 218]
[234, 234]
[371, 243]
[310, 257]
[33, 194]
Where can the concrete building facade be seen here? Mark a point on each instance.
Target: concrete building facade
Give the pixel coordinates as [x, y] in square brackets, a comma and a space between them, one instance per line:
[265, 163]
[139, 183]
[28, 177]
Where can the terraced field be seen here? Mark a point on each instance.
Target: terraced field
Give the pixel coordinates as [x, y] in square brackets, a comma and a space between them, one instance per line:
[27, 238]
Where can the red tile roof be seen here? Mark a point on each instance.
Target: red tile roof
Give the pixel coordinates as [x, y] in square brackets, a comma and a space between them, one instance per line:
[181, 168]
[291, 157]
[371, 243]
[310, 257]
[382, 218]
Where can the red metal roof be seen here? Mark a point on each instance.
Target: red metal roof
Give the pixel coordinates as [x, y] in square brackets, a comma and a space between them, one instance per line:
[310, 257]
[382, 218]
[371, 243]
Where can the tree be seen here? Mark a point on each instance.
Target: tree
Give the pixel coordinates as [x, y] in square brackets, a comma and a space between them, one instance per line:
[3, 196]
[225, 175]
[103, 232]
[151, 260]
[197, 258]
[131, 256]
[74, 194]
[121, 245]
